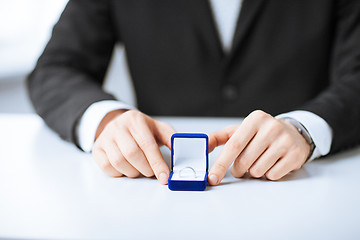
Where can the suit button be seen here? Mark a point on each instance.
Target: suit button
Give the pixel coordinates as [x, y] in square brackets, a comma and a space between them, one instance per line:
[230, 92]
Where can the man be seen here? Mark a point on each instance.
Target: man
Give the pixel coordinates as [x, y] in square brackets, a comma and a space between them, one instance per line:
[296, 60]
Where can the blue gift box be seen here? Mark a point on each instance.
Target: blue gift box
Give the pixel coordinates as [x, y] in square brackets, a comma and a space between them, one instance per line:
[189, 162]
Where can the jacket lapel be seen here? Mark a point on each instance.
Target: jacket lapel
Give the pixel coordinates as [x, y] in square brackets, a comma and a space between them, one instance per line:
[205, 27]
[249, 12]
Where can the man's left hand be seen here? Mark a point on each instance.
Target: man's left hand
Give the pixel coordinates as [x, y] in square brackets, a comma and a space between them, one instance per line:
[261, 145]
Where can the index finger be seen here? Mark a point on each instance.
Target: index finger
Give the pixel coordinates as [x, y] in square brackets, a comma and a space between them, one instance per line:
[163, 132]
[235, 145]
[144, 136]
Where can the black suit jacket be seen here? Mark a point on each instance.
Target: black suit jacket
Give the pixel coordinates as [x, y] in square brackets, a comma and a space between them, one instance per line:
[286, 55]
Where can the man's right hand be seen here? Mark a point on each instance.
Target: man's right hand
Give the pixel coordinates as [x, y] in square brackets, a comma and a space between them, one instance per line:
[127, 143]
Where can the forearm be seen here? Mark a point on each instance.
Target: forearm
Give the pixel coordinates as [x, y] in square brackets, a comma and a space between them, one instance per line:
[61, 103]
[69, 75]
[339, 103]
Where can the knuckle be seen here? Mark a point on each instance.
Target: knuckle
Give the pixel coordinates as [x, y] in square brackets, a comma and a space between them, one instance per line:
[282, 146]
[298, 164]
[287, 140]
[275, 126]
[105, 165]
[271, 132]
[281, 150]
[131, 152]
[131, 115]
[147, 142]
[259, 114]
[221, 167]
[234, 145]
[119, 163]
[296, 152]
[96, 148]
[157, 165]
[113, 126]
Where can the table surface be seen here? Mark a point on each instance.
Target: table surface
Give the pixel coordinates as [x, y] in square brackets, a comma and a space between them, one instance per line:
[49, 189]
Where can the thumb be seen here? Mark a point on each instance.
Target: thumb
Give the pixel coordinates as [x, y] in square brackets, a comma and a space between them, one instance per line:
[221, 137]
[163, 133]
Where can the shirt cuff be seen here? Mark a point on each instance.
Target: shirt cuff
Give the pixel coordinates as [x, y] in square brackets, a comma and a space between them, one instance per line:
[91, 119]
[317, 127]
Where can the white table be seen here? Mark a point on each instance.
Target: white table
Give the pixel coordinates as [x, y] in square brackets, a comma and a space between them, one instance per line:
[49, 189]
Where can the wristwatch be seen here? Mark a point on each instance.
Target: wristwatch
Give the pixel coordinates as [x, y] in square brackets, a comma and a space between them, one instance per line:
[304, 132]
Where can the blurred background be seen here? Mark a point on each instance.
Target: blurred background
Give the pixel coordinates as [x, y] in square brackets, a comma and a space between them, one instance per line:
[25, 28]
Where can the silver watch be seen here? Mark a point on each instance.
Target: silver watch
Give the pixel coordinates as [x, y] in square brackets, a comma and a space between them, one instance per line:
[304, 132]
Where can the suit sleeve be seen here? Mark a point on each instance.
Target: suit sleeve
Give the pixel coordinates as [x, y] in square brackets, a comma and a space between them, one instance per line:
[69, 74]
[339, 104]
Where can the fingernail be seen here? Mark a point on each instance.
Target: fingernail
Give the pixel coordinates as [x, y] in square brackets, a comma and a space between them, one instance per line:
[213, 179]
[163, 178]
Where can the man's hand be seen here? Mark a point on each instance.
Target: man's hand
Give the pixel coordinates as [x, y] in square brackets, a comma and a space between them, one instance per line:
[128, 142]
[262, 145]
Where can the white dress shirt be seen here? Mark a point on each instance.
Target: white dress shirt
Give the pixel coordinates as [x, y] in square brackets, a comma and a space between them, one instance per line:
[226, 13]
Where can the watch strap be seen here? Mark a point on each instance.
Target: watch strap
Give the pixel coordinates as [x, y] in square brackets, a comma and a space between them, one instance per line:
[304, 132]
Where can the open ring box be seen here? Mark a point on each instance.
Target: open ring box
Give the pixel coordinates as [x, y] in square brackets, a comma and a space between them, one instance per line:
[189, 162]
